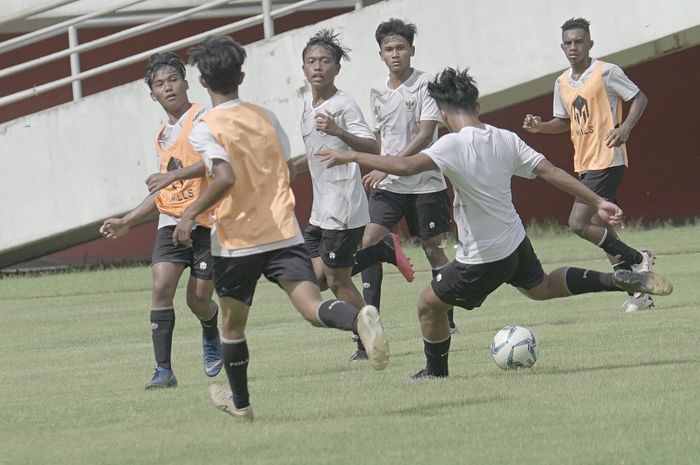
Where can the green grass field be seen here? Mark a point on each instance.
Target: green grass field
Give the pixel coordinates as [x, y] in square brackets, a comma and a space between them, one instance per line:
[609, 387]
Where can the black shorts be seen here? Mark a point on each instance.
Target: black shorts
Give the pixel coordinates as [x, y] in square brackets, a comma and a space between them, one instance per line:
[197, 257]
[427, 215]
[468, 286]
[337, 248]
[603, 182]
[237, 277]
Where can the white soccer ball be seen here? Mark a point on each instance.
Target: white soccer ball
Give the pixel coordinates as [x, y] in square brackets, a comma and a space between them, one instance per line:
[514, 347]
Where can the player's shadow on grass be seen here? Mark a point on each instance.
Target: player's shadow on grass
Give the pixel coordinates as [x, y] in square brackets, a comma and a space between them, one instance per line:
[430, 409]
[616, 366]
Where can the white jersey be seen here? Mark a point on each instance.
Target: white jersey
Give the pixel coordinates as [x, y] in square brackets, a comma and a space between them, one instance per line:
[480, 164]
[339, 200]
[206, 144]
[397, 116]
[617, 85]
[167, 137]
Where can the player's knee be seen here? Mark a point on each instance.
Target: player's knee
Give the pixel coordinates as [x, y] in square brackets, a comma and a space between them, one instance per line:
[198, 303]
[434, 252]
[540, 292]
[163, 292]
[577, 226]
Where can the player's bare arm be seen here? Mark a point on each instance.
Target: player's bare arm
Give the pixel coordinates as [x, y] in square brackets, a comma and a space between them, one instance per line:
[621, 134]
[534, 124]
[222, 180]
[421, 140]
[114, 228]
[157, 181]
[325, 122]
[400, 166]
[567, 183]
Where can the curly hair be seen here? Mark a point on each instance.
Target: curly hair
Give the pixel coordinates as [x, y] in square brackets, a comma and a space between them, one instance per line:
[454, 89]
[396, 27]
[159, 60]
[327, 39]
[576, 23]
[219, 60]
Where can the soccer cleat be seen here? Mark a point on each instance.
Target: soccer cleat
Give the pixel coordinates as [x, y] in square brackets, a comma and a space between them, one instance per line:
[223, 399]
[424, 373]
[162, 378]
[359, 356]
[402, 262]
[638, 302]
[371, 332]
[212, 357]
[647, 283]
[648, 260]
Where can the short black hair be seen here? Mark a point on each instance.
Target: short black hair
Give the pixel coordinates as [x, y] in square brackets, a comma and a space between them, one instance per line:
[219, 60]
[396, 27]
[159, 60]
[327, 39]
[576, 23]
[454, 89]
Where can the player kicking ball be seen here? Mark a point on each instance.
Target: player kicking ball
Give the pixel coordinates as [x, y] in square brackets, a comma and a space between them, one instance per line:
[480, 160]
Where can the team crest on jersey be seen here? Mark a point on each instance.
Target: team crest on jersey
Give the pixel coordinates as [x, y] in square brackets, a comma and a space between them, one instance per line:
[579, 108]
[409, 104]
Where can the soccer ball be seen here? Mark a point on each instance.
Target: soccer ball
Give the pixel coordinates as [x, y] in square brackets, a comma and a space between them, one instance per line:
[514, 347]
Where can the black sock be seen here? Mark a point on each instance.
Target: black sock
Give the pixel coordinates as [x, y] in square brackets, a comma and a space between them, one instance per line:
[162, 326]
[580, 281]
[236, 364]
[338, 314]
[372, 285]
[436, 354]
[378, 253]
[450, 312]
[209, 327]
[615, 247]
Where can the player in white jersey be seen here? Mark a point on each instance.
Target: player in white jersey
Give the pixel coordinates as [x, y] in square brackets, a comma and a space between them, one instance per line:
[332, 120]
[406, 119]
[588, 101]
[480, 161]
[171, 190]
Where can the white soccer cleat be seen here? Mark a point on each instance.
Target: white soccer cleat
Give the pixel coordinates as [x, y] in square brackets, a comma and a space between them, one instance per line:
[637, 302]
[371, 332]
[647, 262]
[222, 398]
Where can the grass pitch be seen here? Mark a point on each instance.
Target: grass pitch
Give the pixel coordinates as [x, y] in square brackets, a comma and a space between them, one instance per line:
[609, 387]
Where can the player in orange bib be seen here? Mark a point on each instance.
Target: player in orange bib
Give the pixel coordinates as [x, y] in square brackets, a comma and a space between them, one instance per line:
[256, 231]
[176, 186]
[588, 101]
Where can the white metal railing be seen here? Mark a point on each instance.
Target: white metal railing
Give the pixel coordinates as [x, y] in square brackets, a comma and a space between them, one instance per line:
[116, 37]
[31, 11]
[56, 29]
[266, 18]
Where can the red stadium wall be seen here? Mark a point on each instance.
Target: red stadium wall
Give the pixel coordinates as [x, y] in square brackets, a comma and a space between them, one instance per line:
[663, 148]
[659, 185]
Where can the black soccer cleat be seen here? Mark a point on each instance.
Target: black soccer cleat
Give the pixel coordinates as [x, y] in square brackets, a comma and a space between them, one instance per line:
[646, 282]
[424, 373]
